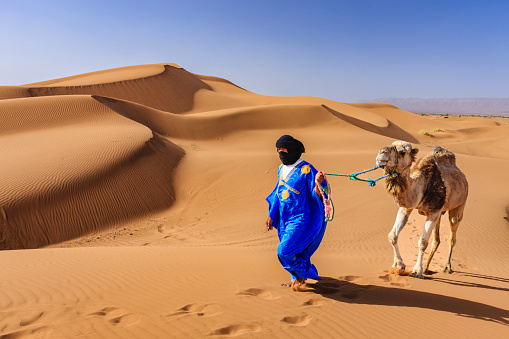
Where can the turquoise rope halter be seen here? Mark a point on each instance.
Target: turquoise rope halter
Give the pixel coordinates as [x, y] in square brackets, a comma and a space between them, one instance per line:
[354, 176]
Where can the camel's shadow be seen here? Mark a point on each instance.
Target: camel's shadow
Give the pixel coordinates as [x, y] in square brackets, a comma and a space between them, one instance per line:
[351, 293]
[477, 285]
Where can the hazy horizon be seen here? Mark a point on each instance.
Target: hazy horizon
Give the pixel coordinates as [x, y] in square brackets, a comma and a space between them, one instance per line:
[453, 106]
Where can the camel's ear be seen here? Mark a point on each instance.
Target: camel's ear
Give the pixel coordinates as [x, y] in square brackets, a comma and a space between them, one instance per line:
[415, 151]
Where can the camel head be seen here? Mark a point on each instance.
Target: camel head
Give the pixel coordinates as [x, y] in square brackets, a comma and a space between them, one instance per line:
[396, 157]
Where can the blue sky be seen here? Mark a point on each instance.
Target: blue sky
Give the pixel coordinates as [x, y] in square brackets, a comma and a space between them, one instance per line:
[343, 50]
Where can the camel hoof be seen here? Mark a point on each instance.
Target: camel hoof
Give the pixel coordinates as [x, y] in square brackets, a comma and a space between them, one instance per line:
[399, 265]
[448, 269]
[417, 275]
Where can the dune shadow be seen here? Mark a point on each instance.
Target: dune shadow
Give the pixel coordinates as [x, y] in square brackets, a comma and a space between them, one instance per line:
[392, 130]
[351, 293]
[138, 185]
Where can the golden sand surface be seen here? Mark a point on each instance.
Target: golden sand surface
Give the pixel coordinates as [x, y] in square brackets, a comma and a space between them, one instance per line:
[132, 205]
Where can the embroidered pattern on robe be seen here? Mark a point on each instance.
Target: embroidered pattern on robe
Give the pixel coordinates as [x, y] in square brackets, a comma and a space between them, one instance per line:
[297, 213]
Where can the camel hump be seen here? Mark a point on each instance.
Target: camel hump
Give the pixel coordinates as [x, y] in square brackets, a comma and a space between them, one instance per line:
[443, 157]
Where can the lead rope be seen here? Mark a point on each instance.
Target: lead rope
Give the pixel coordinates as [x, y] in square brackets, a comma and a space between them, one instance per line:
[326, 192]
[354, 176]
[327, 201]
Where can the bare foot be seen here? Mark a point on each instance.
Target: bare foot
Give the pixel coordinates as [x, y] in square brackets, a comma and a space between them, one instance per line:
[299, 285]
[287, 284]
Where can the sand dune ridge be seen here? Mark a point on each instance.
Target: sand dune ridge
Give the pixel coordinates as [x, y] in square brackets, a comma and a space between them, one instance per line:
[137, 196]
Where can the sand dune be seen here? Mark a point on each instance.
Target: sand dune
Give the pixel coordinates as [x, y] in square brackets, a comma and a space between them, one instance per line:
[9, 92]
[216, 123]
[171, 90]
[71, 166]
[124, 236]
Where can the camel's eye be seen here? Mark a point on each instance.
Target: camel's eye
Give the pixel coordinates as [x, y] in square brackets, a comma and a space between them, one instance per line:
[401, 153]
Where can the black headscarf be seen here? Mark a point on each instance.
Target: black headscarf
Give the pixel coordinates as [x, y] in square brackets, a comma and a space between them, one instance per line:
[294, 147]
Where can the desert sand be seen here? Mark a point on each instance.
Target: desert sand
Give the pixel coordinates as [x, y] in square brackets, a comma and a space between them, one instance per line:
[132, 205]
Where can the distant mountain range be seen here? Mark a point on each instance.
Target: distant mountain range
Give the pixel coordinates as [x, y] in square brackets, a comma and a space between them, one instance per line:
[466, 106]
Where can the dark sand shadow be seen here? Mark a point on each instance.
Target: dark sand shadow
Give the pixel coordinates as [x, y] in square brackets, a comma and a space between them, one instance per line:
[351, 293]
[391, 131]
[135, 186]
[472, 284]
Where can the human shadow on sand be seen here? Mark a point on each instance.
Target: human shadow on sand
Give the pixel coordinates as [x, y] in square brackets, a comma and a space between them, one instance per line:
[351, 293]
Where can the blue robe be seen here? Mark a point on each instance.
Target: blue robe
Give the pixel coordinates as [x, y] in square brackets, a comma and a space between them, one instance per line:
[297, 213]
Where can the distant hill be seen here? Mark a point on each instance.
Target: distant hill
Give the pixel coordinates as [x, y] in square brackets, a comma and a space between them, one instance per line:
[466, 106]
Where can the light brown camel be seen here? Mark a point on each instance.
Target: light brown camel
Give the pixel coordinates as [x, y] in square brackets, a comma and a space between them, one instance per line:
[432, 185]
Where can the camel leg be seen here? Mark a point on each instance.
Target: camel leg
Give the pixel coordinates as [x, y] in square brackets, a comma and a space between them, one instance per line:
[401, 220]
[455, 217]
[434, 246]
[429, 225]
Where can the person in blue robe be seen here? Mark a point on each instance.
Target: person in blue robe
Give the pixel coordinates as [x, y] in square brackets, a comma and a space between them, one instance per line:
[296, 210]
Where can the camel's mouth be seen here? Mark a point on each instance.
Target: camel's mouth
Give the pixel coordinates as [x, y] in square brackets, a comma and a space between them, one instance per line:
[381, 163]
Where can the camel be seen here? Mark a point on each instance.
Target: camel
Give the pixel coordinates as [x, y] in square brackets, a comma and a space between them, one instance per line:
[433, 185]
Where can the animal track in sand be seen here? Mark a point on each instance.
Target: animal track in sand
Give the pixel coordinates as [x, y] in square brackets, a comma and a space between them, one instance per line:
[314, 302]
[237, 329]
[299, 320]
[466, 267]
[258, 292]
[395, 280]
[207, 310]
[116, 316]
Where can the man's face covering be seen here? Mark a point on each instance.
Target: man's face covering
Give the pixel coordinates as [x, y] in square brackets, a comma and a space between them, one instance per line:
[294, 147]
[289, 158]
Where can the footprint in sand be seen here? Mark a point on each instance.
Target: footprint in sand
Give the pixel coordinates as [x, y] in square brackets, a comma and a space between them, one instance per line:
[116, 316]
[125, 319]
[351, 295]
[298, 320]
[104, 311]
[258, 292]
[395, 280]
[200, 310]
[466, 267]
[349, 278]
[330, 287]
[314, 302]
[237, 329]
